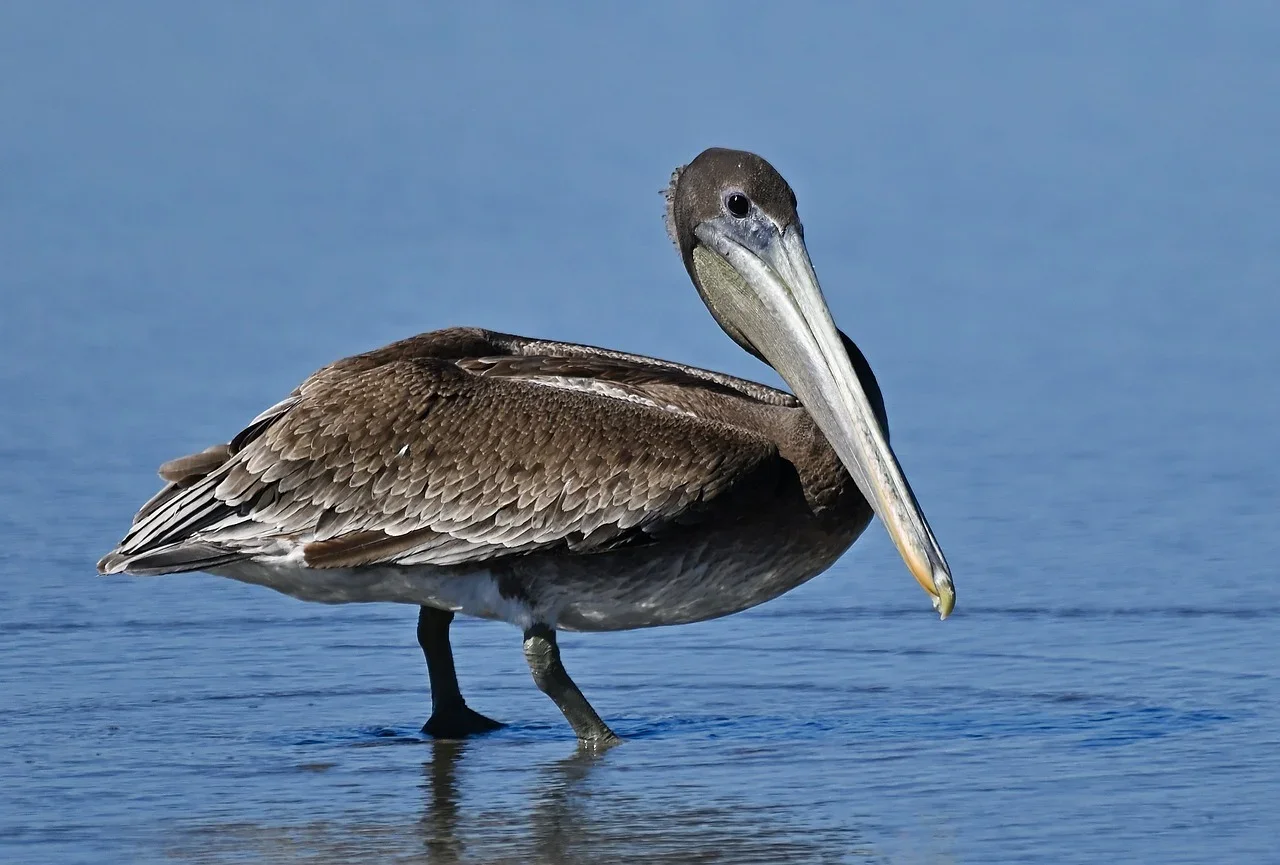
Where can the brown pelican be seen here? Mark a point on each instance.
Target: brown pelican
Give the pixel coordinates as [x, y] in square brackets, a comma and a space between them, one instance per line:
[561, 486]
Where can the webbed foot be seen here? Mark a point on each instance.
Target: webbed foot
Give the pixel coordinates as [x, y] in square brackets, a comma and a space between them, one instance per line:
[459, 723]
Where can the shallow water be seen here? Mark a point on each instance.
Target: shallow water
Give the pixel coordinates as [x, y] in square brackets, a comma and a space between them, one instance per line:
[1053, 235]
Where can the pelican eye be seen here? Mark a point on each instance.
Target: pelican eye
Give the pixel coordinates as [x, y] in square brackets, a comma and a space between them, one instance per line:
[737, 204]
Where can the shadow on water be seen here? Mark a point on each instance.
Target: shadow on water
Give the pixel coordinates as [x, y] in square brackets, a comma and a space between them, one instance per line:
[567, 810]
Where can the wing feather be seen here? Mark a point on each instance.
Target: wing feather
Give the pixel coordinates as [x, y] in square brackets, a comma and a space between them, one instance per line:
[457, 447]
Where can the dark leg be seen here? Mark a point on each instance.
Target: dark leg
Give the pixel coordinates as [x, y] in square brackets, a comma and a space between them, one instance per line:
[450, 717]
[543, 655]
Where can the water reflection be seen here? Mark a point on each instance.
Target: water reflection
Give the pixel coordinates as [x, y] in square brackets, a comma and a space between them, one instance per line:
[560, 818]
[440, 803]
[556, 821]
[577, 809]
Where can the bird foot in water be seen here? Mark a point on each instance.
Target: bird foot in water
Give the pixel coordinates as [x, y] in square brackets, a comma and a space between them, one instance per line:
[459, 723]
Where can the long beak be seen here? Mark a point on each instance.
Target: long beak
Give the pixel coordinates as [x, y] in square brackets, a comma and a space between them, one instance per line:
[779, 307]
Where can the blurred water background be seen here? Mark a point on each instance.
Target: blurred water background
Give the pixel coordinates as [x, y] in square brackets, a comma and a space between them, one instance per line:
[1051, 227]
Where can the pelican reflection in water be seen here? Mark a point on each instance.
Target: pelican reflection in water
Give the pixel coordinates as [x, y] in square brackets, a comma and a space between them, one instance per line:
[564, 487]
[565, 811]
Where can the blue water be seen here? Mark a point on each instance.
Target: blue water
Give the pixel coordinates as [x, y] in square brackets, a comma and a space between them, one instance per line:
[1052, 228]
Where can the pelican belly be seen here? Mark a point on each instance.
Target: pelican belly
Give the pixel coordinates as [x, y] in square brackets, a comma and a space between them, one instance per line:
[666, 594]
[473, 592]
[693, 580]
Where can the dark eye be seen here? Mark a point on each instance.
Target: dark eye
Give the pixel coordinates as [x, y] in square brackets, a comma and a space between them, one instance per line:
[738, 204]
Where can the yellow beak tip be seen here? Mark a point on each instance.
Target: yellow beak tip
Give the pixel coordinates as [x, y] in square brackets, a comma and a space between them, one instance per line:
[945, 600]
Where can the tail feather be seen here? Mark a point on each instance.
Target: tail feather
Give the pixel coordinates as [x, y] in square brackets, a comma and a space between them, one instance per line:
[164, 537]
[184, 471]
[172, 559]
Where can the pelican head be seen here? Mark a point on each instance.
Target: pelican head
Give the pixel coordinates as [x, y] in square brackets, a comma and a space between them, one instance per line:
[734, 220]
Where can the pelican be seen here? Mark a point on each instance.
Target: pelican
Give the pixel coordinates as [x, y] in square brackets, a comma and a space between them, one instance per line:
[558, 486]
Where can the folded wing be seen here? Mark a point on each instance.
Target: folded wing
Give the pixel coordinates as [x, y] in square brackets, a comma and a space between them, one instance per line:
[457, 447]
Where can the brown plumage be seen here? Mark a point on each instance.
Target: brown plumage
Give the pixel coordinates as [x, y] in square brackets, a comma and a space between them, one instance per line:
[556, 485]
[465, 446]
